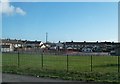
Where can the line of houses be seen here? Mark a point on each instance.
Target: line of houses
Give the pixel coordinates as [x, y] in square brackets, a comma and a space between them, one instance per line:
[10, 45]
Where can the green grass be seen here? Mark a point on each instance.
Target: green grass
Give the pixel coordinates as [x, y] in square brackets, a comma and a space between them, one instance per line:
[75, 63]
[103, 67]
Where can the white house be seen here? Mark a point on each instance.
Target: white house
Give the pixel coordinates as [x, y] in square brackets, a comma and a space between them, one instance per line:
[42, 45]
[7, 48]
[9, 45]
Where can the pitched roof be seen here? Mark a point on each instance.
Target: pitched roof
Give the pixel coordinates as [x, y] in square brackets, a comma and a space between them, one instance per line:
[14, 41]
[108, 43]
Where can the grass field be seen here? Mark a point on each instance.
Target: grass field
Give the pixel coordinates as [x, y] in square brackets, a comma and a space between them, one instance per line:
[56, 62]
[102, 64]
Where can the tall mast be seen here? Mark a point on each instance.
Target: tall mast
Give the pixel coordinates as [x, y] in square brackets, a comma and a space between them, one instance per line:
[46, 37]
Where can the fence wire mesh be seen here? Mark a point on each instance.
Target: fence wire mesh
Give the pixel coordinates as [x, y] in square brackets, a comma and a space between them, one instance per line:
[65, 62]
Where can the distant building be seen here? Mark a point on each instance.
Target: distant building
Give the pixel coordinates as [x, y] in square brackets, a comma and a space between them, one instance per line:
[91, 46]
[55, 46]
[87, 50]
[10, 45]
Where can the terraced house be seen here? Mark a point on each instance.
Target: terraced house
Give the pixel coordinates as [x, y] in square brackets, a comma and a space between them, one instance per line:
[93, 46]
[10, 45]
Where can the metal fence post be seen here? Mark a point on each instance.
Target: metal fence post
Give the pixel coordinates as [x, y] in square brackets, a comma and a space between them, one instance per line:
[118, 69]
[67, 63]
[91, 63]
[18, 59]
[42, 60]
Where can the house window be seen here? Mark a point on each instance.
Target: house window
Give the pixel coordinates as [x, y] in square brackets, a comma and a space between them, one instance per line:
[5, 46]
